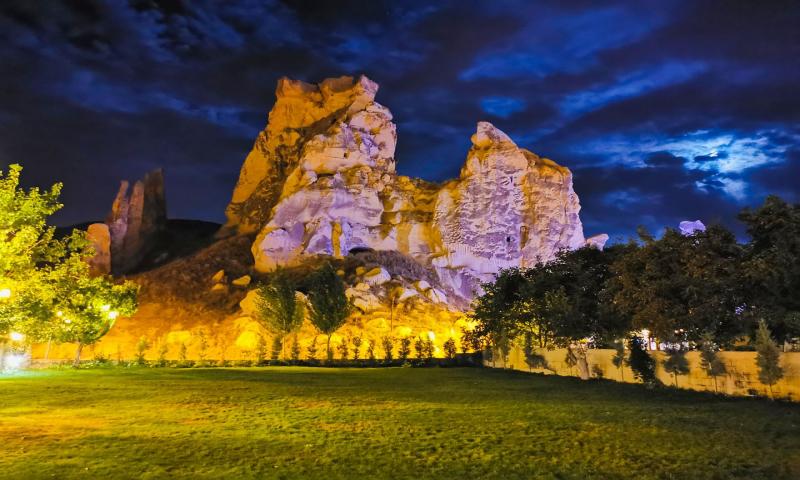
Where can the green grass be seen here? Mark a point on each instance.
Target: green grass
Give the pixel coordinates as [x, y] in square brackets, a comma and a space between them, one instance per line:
[309, 423]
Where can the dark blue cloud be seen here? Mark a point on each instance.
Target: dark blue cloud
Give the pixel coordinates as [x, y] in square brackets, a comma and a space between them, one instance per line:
[665, 110]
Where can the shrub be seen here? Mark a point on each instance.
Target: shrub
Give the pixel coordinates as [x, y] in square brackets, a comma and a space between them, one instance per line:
[405, 349]
[428, 348]
[676, 363]
[619, 358]
[261, 350]
[388, 345]
[710, 361]
[343, 348]
[295, 350]
[642, 364]
[570, 360]
[312, 349]
[277, 346]
[141, 350]
[450, 348]
[357, 341]
[182, 350]
[163, 350]
[202, 347]
[419, 347]
[597, 371]
[768, 357]
[371, 350]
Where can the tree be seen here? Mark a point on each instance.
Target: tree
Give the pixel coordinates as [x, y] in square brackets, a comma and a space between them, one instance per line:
[405, 349]
[141, 350]
[387, 342]
[619, 358]
[449, 348]
[768, 357]
[86, 307]
[312, 349]
[681, 283]
[26, 242]
[771, 268]
[357, 341]
[642, 364]
[710, 361]
[676, 362]
[343, 348]
[279, 308]
[330, 307]
[47, 290]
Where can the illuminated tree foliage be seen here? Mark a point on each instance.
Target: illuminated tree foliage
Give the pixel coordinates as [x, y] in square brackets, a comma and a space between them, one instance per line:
[47, 290]
[279, 308]
[330, 307]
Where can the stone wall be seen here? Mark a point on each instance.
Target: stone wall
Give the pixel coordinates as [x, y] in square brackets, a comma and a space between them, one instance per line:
[742, 377]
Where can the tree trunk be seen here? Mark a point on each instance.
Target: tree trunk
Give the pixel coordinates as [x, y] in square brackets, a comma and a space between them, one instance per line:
[328, 354]
[77, 362]
[47, 351]
[583, 364]
[2, 355]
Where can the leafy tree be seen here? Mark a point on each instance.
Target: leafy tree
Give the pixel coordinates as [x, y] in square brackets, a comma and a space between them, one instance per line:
[294, 352]
[26, 242]
[570, 359]
[344, 348]
[419, 347]
[768, 357]
[357, 341]
[163, 350]
[619, 358]
[279, 308]
[182, 352]
[86, 307]
[371, 350]
[450, 348]
[771, 269]
[679, 283]
[387, 342]
[330, 307]
[202, 347]
[710, 361]
[428, 348]
[642, 364]
[676, 362]
[312, 349]
[405, 349]
[141, 350]
[47, 290]
[261, 350]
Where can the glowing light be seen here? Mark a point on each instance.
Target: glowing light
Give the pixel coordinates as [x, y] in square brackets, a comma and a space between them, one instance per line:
[105, 307]
[59, 313]
[5, 293]
[113, 314]
[431, 336]
[16, 337]
[14, 361]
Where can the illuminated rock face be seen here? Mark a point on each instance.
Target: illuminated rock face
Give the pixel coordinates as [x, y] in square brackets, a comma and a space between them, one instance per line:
[321, 180]
[135, 219]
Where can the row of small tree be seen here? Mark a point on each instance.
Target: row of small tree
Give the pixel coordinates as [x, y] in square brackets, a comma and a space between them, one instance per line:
[47, 291]
[703, 290]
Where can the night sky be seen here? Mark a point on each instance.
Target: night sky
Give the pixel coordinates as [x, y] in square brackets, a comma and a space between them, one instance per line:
[664, 111]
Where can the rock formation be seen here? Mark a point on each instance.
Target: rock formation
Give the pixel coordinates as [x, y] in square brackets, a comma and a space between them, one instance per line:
[135, 220]
[321, 180]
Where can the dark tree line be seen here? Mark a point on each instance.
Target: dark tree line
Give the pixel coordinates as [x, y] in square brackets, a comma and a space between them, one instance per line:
[684, 289]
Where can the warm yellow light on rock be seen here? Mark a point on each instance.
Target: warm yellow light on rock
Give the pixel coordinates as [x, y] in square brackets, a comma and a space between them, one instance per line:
[5, 293]
[16, 337]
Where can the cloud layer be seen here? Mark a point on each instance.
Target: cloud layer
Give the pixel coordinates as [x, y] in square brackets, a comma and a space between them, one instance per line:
[665, 111]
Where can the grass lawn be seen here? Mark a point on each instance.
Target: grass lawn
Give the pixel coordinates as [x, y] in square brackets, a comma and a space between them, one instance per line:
[309, 423]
